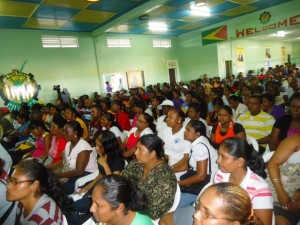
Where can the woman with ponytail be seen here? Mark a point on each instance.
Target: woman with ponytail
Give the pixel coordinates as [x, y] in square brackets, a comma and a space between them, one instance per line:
[201, 165]
[39, 193]
[240, 164]
[117, 202]
[224, 203]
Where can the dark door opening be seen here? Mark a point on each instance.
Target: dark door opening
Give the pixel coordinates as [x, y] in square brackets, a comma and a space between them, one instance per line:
[228, 68]
[172, 75]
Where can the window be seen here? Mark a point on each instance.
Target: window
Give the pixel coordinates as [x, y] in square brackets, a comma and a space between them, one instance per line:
[60, 41]
[162, 43]
[118, 42]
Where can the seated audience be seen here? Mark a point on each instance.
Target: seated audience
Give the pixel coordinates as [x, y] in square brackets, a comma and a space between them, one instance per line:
[43, 140]
[72, 115]
[212, 117]
[58, 144]
[95, 124]
[110, 159]
[79, 158]
[257, 123]
[226, 128]
[118, 202]
[224, 203]
[201, 166]
[122, 118]
[144, 126]
[176, 148]
[237, 107]
[284, 176]
[286, 125]
[41, 199]
[239, 164]
[268, 105]
[153, 175]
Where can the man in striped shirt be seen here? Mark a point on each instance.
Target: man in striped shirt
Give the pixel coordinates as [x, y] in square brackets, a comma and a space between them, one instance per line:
[256, 122]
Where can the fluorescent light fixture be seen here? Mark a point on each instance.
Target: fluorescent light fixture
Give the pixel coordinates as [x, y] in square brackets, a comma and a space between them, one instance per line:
[280, 34]
[200, 3]
[199, 11]
[92, 0]
[157, 26]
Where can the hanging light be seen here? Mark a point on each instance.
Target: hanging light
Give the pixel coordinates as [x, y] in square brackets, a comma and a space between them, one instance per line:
[92, 0]
[199, 3]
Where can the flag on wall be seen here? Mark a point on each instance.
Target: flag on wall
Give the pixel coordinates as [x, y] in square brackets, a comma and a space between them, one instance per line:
[214, 35]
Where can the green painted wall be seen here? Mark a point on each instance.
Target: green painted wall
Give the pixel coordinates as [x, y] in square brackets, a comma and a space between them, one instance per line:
[73, 68]
[141, 56]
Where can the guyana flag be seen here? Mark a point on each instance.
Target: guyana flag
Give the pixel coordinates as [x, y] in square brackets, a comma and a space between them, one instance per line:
[214, 35]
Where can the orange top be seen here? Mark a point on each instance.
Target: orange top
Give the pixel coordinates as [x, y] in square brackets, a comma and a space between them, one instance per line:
[230, 133]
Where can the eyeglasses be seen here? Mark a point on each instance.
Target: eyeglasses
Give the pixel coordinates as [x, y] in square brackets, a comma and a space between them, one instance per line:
[15, 181]
[203, 214]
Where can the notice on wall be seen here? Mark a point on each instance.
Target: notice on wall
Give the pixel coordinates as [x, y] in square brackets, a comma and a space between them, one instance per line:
[268, 57]
[240, 59]
[283, 55]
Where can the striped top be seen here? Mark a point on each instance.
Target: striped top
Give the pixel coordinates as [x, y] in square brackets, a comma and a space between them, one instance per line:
[258, 126]
[256, 187]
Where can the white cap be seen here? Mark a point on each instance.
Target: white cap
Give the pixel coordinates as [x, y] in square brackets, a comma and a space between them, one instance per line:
[167, 102]
[185, 86]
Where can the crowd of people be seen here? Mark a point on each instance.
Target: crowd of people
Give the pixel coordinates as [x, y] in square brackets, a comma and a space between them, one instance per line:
[146, 144]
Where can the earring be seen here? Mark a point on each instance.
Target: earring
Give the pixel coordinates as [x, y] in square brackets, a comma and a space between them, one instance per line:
[75, 136]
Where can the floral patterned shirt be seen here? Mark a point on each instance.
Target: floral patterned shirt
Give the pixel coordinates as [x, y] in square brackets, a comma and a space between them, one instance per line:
[159, 186]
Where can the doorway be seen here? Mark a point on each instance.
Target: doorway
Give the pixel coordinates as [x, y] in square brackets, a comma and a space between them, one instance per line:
[228, 68]
[172, 75]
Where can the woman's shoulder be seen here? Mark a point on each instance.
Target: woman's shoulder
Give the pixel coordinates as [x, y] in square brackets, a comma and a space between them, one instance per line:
[83, 145]
[141, 219]
[47, 207]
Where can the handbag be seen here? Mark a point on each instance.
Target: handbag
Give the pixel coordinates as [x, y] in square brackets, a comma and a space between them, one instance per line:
[195, 189]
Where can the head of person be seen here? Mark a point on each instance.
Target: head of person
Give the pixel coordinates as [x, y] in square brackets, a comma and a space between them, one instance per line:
[149, 148]
[175, 117]
[217, 103]
[108, 120]
[255, 104]
[273, 89]
[156, 101]
[235, 153]
[105, 104]
[116, 106]
[193, 130]
[54, 110]
[88, 103]
[176, 93]
[295, 106]
[225, 115]
[144, 120]
[246, 91]
[107, 143]
[71, 113]
[96, 112]
[37, 128]
[32, 179]
[22, 118]
[166, 106]
[224, 204]
[139, 107]
[234, 101]
[268, 101]
[227, 90]
[72, 131]
[113, 197]
[57, 125]
[197, 110]
[188, 96]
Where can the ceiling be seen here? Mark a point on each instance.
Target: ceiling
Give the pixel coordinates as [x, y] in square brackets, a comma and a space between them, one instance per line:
[120, 16]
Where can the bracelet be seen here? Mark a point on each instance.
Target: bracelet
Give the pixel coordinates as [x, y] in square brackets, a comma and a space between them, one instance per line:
[276, 180]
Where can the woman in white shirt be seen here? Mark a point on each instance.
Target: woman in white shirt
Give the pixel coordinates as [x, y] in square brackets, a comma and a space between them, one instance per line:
[79, 158]
[238, 108]
[176, 148]
[202, 163]
[108, 123]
